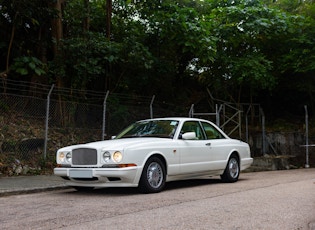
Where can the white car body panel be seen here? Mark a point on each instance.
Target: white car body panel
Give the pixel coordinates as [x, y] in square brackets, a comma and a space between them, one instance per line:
[184, 159]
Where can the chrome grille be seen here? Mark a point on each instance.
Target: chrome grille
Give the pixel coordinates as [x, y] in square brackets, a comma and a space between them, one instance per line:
[84, 156]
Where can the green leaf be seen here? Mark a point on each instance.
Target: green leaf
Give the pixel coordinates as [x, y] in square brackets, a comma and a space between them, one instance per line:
[32, 65]
[39, 71]
[22, 71]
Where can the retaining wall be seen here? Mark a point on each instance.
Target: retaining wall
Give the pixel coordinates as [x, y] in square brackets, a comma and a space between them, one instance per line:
[284, 150]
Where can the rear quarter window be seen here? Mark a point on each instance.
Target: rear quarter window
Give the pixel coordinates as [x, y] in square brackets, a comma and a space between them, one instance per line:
[211, 131]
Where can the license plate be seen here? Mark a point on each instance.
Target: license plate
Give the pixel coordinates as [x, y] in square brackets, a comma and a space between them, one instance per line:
[80, 174]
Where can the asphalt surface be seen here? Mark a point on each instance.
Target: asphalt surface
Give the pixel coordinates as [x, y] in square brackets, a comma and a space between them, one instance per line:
[29, 184]
[281, 199]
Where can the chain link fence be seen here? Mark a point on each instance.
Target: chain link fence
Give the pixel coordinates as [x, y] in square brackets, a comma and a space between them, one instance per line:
[36, 120]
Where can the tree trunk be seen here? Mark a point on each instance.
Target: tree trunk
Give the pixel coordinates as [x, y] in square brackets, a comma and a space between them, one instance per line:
[57, 35]
[109, 18]
[86, 21]
[108, 32]
[5, 73]
[57, 26]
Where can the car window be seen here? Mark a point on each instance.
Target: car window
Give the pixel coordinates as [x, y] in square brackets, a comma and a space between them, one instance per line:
[211, 131]
[152, 128]
[193, 126]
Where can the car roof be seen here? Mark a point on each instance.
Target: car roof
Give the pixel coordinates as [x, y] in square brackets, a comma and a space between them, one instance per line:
[177, 118]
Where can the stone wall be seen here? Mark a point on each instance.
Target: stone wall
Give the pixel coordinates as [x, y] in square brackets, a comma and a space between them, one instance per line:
[284, 150]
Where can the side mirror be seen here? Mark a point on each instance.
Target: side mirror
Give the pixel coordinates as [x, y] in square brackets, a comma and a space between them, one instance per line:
[189, 136]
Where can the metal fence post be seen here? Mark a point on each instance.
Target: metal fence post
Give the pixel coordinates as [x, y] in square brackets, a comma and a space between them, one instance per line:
[151, 107]
[246, 124]
[217, 115]
[104, 115]
[306, 138]
[47, 119]
[246, 128]
[263, 132]
[191, 111]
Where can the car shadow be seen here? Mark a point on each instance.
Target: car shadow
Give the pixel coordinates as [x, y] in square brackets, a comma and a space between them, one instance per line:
[173, 185]
[106, 191]
[190, 183]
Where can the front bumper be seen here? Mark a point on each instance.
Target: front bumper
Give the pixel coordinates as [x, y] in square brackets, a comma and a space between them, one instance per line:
[100, 177]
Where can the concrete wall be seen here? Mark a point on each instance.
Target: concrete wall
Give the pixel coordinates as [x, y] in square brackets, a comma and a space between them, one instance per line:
[283, 150]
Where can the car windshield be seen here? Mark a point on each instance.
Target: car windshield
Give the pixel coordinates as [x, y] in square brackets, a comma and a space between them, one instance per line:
[150, 128]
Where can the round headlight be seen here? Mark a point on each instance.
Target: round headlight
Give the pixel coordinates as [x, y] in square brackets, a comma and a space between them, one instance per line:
[68, 157]
[117, 156]
[106, 156]
[61, 157]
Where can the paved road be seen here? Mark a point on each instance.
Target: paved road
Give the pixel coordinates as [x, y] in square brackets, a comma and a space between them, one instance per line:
[262, 200]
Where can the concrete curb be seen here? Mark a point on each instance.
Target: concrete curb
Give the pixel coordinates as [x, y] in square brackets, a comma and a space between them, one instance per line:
[30, 184]
[29, 191]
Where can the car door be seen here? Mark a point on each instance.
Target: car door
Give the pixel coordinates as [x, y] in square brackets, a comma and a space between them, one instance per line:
[219, 144]
[195, 155]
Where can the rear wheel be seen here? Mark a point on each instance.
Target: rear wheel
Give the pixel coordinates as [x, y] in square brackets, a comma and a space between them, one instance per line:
[232, 170]
[153, 176]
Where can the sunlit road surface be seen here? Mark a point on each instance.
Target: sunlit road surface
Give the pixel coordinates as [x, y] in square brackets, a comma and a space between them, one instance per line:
[261, 200]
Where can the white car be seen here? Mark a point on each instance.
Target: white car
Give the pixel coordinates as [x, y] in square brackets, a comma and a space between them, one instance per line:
[149, 153]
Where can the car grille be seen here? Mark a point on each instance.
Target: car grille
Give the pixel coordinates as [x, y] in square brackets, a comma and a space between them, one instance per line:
[84, 156]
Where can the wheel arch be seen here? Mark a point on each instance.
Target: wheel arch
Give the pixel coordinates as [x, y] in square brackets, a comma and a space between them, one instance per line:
[144, 184]
[237, 154]
[231, 174]
[145, 160]
[161, 157]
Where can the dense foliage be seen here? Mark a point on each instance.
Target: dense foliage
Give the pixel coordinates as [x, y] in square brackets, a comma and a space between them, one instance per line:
[257, 51]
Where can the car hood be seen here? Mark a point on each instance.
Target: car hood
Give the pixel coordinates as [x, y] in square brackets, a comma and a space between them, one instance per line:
[119, 144]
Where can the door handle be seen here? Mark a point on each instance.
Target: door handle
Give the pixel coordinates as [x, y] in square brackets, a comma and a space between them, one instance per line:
[208, 144]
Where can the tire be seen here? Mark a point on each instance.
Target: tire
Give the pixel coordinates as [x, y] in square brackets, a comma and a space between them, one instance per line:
[153, 176]
[232, 170]
[83, 189]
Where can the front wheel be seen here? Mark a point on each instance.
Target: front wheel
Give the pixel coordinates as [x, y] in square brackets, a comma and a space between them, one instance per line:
[232, 170]
[153, 176]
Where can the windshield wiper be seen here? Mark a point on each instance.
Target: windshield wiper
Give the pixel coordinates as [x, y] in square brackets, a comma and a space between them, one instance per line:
[157, 135]
[147, 135]
[129, 136]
